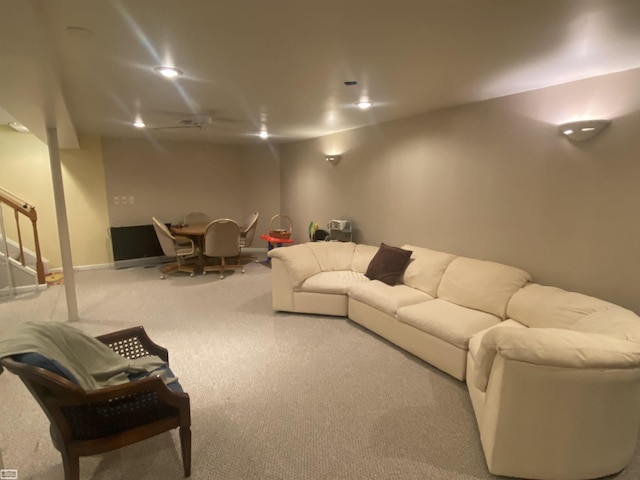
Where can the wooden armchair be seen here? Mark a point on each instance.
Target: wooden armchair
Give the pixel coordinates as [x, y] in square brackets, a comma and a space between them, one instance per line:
[91, 422]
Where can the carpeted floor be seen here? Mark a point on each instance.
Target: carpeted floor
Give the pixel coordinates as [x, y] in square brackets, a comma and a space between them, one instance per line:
[273, 395]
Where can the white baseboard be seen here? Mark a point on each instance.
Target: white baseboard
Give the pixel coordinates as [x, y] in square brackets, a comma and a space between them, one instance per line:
[140, 262]
[7, 292]
[97, 266]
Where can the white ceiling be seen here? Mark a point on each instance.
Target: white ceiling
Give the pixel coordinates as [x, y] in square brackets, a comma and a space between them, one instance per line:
[283, 63]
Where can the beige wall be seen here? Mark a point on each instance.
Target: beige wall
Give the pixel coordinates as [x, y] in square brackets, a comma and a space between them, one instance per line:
[493, 180]
[167, 181]
[25, 170]
[170, 179]
[86, 201]
[261, 185]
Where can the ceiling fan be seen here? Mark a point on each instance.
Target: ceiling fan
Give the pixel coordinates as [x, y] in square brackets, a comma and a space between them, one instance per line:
[192, 121]
[201, 121]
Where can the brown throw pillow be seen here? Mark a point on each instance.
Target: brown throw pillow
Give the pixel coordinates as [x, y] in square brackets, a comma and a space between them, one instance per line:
[388, 264]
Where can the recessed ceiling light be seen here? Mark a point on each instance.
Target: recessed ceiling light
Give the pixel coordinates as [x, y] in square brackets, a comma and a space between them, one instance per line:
[139, 124]
[168, 72]
[364, 104]
[263, 134]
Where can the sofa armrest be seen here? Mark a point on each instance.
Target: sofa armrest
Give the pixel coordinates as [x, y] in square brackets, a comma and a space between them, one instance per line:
[281, 287]
[299, 262]
[553, 347]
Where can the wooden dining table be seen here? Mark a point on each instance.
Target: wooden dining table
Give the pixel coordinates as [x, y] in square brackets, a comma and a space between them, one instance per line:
[194, 231]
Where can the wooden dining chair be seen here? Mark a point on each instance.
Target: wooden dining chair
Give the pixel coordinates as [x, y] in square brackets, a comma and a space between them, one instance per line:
[87, 423]
[221, 245]
[247, 234]
[181, 249]
[196, 217]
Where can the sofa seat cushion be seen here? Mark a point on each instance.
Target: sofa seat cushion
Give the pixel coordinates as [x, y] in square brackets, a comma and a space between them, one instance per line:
[544, 307]
[386, 298]
[476, 340]
[332, 282]
[426, 268]
[447, 321]
[481, 285]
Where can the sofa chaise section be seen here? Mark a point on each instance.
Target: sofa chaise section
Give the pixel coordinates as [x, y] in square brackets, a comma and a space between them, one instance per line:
[557, 394]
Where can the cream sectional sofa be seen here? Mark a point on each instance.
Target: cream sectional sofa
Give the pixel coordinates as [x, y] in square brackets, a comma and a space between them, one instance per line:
[553, 376]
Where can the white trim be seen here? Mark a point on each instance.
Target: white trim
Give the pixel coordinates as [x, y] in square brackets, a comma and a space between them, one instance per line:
[138, 262]
[23, 289]
[97, 266]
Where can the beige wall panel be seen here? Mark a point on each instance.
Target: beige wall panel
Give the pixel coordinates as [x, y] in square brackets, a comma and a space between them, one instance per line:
[493, 180]
[260, 186]
[25, 170]
[86, 201]
[171, 179]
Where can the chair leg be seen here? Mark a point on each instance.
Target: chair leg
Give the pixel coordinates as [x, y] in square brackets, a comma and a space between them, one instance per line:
[71, 465]
[183, 267]
[185, 444]
[172, 267]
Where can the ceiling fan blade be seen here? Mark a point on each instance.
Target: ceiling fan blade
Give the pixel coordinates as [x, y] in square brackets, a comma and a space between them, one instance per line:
[224, 128]
[176, 126]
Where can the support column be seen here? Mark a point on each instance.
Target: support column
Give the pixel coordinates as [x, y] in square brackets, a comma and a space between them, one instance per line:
[63, 225]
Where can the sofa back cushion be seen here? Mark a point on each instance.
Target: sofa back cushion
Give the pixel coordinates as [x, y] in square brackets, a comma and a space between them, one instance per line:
[333, 256]
[480, 284]
[299, 261]
[616, 322]
[362, 256]
[426, 268]
[542, 306]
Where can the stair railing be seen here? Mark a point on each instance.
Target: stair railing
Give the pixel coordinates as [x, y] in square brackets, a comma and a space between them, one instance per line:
[20, 207]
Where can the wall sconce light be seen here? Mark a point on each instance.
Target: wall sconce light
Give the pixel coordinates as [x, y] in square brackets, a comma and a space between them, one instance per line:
[583, 130]
[18, 127]
[332, 159]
